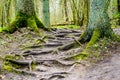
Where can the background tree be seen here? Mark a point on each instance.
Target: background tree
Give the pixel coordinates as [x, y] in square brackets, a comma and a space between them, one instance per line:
[98, 27]
[118, 1]
[5, 7]
[65, 8]
[80, 11]
[46, 13]
[25, 16]
[99, 23]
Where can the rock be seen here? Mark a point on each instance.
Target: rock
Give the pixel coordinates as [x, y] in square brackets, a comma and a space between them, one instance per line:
[41, 69]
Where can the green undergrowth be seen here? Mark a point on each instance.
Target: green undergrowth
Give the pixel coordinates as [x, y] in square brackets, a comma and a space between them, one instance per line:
[68, 27]
[97, 51]
[115, 26]
[0, 29]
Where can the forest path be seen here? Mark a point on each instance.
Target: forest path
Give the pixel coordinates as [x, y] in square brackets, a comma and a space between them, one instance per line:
[50, 64]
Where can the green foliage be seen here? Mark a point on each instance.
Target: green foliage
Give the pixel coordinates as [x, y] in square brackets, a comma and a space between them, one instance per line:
[0, 29]
[68, 27]
[117, 15]
[95, 52]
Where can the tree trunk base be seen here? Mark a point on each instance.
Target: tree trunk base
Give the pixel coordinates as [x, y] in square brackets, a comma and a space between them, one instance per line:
[23, 20]
[94, 38]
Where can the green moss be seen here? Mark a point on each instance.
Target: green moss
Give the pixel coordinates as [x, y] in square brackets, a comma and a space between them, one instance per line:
[33, 65]
[68, 27]
[1, 29]
[81, 56]
[32, 24]
[85, 54]
[115, 37]
[40, 25]
[20, 21]
[24, 20]
[8, 66]
[95, 37]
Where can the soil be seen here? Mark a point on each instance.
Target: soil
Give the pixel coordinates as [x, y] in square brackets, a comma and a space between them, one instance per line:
[50, 62]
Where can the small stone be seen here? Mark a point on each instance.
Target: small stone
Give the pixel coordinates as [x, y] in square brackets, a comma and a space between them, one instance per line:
[41, 69]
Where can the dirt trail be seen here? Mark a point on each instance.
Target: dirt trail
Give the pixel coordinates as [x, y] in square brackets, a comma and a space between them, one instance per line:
[50, 64]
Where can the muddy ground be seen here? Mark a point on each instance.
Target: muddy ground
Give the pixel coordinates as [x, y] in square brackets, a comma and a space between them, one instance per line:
[50, 62]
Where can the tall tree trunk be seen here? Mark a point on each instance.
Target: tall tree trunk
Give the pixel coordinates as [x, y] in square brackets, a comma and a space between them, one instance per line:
[98, 25]
[118, 1]
[86, 11]
[26, 16]
[73, 11]
[65, 9]
[80, 12]
[46, 13]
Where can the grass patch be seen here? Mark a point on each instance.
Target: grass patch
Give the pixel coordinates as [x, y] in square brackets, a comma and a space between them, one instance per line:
[68, 27]
[101, 50]
[98, 51]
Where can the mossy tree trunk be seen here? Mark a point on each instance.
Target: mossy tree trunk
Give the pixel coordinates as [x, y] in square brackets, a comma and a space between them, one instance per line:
[98, 25]
[25, 16]
[118, 1]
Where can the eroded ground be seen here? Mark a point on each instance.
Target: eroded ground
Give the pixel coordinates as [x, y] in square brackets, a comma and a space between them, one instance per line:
[50, 63]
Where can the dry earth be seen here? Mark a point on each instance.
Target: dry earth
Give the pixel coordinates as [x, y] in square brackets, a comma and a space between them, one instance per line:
[50, 64]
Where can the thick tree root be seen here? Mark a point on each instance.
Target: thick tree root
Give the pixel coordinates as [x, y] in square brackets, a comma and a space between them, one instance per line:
[53, 61]
[24, 72]
[22, 63]
[69, 46]
[26, 53]
[57, 75]
[96, 35]
[46, 45]
[61, 35]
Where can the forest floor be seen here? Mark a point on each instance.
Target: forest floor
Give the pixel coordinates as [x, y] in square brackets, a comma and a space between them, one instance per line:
[41, 58]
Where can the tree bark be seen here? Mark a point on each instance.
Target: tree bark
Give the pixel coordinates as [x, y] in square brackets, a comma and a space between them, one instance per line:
[25, 17]
[46, 13]
[65, 9]
[98, 21]
[118, 1]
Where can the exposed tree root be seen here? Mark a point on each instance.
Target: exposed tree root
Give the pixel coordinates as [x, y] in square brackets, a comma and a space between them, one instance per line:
[97, 34]
[56, 41]
[61, 35]
[28, 63]
[18, 62]
[26, 53]
[46, 45]
[69, 46]
[67, 39]
[24, 72]
[64, 31]
[54, 75]
[55, 61]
